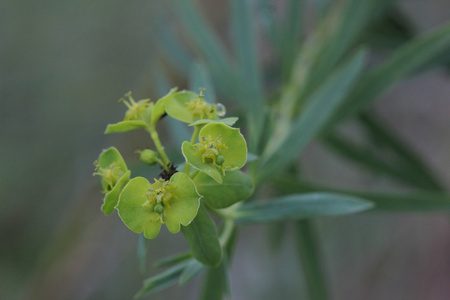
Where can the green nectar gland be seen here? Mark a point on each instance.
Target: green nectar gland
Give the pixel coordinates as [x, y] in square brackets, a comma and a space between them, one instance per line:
[210, 150]
[135, 109]
[109, 175]
[158, 197]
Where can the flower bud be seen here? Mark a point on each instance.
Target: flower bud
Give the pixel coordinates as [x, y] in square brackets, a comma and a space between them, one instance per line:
[220, 160]
[149, 156]
[158, 208]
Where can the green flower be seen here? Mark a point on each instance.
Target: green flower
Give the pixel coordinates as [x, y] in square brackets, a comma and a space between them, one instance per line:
[140, 114]
[114, 175]
[221, 148]
[189, 107]
[144, 207]
[135, 110]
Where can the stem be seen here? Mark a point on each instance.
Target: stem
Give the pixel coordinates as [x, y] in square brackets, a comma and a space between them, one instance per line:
[195, 133]
[155, 137]
[187, 167]
[310, 260]
[227, 232]
[219, 213]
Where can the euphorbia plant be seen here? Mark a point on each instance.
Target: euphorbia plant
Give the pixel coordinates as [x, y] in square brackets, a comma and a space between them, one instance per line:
[323, 79]
[181, 195]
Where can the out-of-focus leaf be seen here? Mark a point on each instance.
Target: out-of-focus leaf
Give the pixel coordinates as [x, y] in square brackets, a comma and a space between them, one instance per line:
[408, 202]
[390, 31]
[216, 283]
[236, 186]
[207, 44]
[300, 206]
[171, 260]
[396, 202]
[277, 233]
[200, 78]
[176, 53]
[202, 238]
[310, 259]
[249, 74]
[350, 22]
[314, 117]
[406, 60]
[411, 162]
[367, 158]
[178, 131]
[290, 35]
[192, 269]
[161, 281]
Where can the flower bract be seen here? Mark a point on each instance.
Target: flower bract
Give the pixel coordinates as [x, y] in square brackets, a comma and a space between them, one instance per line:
[190, 107]
[114, 175]
[220, 148]
[145, 206]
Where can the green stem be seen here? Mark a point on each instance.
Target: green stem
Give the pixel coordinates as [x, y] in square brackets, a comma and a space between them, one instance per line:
[227, 232]
[310, 260]
[195, 133]
[187, 168]
[155, 137]
[220, 213]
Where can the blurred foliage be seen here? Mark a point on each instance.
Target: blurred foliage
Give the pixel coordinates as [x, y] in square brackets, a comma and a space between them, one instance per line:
[64, 64]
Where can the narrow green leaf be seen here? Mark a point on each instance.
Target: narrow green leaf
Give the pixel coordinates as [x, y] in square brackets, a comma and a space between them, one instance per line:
[410, 160]
[409, 202]
[201, 78]
[202, 238]
[216, 283]
[193, 268]
[409, 58]
[174, 50]
[250, 89]
[206, 43]
[161, 281]
[236, 186]
[171, 260]
[396, 202]
[290, 35]
[350, 19]
[314, 117]
[367, 158]
[266, 14]
[392, 30]
[178, 131]
[300, 206]
[310, 259]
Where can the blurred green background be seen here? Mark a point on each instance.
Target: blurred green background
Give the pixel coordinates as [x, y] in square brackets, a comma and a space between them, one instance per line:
[63, 66]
